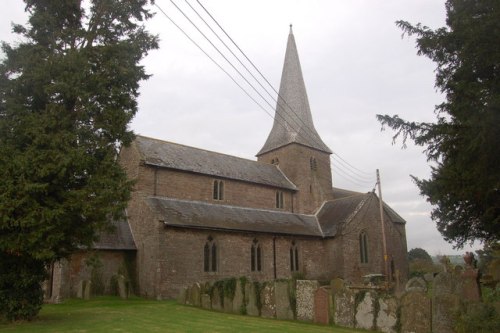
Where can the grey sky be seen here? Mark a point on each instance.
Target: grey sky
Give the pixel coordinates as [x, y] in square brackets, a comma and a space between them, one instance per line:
[355, 65]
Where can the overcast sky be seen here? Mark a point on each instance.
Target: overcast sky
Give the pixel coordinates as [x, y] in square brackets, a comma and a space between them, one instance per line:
[355, 65]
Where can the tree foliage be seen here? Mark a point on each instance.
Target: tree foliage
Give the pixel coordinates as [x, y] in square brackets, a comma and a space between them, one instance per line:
[463, 145]
[67, 94]
[418, 253]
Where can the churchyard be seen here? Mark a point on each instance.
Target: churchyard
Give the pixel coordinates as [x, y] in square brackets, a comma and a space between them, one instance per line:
[112, 314]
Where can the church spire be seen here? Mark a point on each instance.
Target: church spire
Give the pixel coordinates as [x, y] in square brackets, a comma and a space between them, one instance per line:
[293, 121]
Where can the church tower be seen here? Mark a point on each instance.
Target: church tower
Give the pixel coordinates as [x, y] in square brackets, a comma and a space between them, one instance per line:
[293, 144]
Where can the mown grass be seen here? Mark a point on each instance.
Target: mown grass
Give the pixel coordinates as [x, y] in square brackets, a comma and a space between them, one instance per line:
[109, 314]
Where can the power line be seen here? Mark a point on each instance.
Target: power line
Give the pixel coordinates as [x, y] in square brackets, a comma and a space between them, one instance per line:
[234, 80]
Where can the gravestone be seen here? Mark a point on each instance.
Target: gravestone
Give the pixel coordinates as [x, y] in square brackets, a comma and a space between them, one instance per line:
[181, 299]
[194, 297]
[205, 301]
[216, 300]
[252, 308]
[87, 289]
[305, 299]
[336, 285]
[344, 308]
[429, 277]
[322, 306]
[445, 301]
[79, 289]
[415, 313]
[238, 300]
[416, 284]
[228, 304]
[387, 314]
[470, 279]
[282, 297]
[364, 312]
[267, 297]
[122, 288]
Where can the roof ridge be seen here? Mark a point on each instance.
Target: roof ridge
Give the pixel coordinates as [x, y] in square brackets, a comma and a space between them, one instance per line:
[202, 149]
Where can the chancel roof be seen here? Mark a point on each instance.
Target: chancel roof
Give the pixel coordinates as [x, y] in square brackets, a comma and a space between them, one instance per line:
[328, 221]
[293, 120]
[175, 156]
[203, 215]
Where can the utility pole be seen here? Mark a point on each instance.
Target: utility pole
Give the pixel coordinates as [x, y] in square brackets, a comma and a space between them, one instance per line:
[382, 224]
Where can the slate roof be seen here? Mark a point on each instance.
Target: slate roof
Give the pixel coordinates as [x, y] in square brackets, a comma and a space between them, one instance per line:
[202, 215]
[293, 120]
[118, 239]
[175, 156]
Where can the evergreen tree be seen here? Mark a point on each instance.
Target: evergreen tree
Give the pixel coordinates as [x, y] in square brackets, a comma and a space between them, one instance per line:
[67, 93]
[464, 143]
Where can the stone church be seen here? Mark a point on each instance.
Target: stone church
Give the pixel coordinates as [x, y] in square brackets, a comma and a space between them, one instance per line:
[198, 216]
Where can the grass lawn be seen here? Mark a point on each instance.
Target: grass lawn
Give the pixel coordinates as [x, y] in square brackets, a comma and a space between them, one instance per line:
[109, 314]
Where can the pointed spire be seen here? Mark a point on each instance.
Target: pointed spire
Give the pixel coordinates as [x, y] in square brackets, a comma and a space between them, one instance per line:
[293, 121]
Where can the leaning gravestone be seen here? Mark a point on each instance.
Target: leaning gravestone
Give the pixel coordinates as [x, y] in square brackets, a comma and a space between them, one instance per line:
[282, 297]
[195, 295]
[305, 299]
[364, 312]
[344, 308]
[415, 313]
[267, 297]
[181, 299]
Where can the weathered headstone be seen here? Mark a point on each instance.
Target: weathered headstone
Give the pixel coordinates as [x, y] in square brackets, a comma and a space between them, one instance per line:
[194, 297]
[267, 297]
[238, 300]
[387, 314]
[252, 308]
[282, 297]
[305, 299]
[228, 305]
[181, 299]
[122, 288]
[216, 300]
[79, 289]
[322, 306]
[415, 313]
[205, 301]
[87, 289]
[337, 285]
[416, 284]
[444, 307]
[364, 312]
[344, 308]
[470, 279]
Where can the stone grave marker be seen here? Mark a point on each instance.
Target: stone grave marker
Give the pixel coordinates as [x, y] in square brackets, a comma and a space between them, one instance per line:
[364, 314]
[282, 297]
[305, 299]
[267, 297]
[415, 313]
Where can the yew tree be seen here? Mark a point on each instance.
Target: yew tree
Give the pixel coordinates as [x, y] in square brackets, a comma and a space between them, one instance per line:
[68, 91]
[463, 144]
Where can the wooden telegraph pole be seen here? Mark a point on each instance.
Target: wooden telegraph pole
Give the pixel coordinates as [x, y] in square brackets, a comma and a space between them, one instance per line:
[382, 225]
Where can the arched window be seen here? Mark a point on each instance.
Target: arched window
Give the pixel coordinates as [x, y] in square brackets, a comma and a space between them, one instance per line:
[313, 163]
[218, 190]
[363, 248]
[210, 255]
[256, 257]
[294, 257]
[279, 199]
